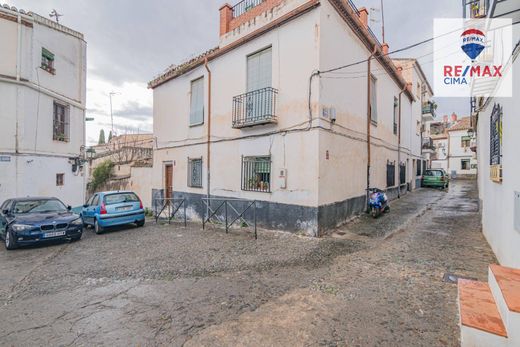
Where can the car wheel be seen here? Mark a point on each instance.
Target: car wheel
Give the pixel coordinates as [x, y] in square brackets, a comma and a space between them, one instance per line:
[140, 223]
[10, 242]
[97, 228]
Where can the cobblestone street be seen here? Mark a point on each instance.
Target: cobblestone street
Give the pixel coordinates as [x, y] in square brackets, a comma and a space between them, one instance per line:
[370, 283]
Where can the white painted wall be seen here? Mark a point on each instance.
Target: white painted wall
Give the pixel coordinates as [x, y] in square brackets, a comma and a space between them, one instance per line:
[497, 199]
[27, 94]
[459, 153]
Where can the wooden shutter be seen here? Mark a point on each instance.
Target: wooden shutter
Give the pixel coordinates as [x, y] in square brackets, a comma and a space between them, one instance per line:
[197, 102]
[259, 70]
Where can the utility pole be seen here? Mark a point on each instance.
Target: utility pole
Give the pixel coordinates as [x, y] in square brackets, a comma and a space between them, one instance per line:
[111, 112]
[56, 15]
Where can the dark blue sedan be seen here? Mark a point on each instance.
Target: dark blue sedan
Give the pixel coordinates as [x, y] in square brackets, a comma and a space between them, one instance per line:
[27, 221]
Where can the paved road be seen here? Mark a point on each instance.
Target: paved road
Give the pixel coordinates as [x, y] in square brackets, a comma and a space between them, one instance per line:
[169, 285]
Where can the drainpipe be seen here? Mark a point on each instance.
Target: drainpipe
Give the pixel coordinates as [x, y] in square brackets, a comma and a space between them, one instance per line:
[399, 143]
[369, 118]
[18, 77]
[208, 159]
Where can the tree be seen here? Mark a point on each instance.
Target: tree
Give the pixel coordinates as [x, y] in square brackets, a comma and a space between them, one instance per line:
[109, 136]
[101, 175]
[101, 137]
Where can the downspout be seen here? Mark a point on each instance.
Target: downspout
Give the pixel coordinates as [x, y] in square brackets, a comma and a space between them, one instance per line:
[369, 119]
[399, 143]
[208, 154]
[18, 77]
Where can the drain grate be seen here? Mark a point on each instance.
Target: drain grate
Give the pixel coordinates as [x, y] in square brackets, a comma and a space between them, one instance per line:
[453, 278]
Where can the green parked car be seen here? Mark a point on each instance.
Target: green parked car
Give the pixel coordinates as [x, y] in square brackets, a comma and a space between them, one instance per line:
[435, 178]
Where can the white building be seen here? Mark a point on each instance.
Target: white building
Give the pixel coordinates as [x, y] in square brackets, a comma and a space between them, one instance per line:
[462, 161]
[42, 93]
[260, 117]
[423, 112]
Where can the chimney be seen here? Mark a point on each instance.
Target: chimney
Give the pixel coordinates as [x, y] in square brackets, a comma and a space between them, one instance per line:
[445, 118]
[453, 117]
[226, 15]
[385, 48]
[363, 16]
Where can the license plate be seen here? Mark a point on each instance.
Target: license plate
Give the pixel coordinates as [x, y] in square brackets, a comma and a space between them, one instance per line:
[125, 208]
[54, 234]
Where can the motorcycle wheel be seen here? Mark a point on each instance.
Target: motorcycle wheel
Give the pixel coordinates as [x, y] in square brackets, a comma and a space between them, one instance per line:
[374, 212]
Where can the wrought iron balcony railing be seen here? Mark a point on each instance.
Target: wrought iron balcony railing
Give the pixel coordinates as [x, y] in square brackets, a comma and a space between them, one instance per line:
[427, 144]
[254, 108]
[244, 6]
[428, 108]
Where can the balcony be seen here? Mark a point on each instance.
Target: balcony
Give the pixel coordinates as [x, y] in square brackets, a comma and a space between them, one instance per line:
[428, 111]
[254, 108]
[427, 145]
[244, 6]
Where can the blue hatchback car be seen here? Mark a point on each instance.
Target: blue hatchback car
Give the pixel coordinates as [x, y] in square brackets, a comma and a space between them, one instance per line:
[108, 209]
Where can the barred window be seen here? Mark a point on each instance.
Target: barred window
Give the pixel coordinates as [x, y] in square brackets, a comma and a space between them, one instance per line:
[495, 138]
[61, 123]
[390, 174]
[195, 173]
[48, 61]
[402, 173]
[256, 174]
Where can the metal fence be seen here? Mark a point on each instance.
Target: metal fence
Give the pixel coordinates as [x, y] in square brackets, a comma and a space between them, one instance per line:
[256, 107]
[168, 208]
[244, 6]
[228, 212]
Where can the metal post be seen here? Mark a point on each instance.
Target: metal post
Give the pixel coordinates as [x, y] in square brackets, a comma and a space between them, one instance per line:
[204, 218]
[185, 223]
[225, 209]
[254, 213]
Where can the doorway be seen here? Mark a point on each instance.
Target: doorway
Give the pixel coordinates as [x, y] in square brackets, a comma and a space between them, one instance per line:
[168, 181]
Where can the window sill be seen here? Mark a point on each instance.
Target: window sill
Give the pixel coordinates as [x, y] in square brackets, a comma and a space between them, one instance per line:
[196, 125]
[52, 71]
[374, 122]
[196, 187]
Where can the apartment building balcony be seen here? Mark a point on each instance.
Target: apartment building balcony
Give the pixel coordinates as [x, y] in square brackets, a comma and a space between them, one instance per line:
[428, 111]
[254, 108]
[427, 145]
[475, 8]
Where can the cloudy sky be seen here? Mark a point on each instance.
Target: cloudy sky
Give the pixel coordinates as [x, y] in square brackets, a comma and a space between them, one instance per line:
[130, 42]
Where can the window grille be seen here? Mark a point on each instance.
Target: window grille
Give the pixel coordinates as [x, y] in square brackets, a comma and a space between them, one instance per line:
[390, 174]
[256, 174]
[61, 123]
[495, 142]
[195, 173]
[402, 173]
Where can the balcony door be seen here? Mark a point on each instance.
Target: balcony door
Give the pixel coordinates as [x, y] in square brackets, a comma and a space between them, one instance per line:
[259, 78]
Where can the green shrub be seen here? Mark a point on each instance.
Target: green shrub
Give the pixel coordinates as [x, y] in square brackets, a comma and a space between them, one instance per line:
[101, 175]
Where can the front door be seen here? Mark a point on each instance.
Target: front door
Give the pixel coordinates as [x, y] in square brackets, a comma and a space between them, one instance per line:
[168, 181]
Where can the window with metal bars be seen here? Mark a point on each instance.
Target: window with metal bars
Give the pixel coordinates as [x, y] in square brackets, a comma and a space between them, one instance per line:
[402, 173]
[256, 174]
[390, 174]
[61, 125]
[495, 138]
[195, 172]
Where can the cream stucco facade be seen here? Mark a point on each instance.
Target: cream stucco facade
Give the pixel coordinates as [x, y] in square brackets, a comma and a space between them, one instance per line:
[317, 144]
[34, 148]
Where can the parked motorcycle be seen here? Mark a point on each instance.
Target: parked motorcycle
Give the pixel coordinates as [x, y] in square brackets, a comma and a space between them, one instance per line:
[377, 202]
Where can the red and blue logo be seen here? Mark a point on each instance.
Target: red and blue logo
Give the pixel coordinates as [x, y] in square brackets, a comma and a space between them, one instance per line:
[473, 42]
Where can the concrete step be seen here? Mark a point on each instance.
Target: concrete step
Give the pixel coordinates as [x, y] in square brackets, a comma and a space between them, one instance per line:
[480, 321]
[505, 286]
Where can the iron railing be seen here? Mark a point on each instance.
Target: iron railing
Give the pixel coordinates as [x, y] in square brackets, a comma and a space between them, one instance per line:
[395, 128]
[231, 213]
[428, 108]
[253, 108]
[427, 143]
[244, 6]
[256, 174]
[169, 207]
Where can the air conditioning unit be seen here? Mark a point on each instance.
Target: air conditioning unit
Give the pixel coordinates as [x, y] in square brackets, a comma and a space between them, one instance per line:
[283, 178]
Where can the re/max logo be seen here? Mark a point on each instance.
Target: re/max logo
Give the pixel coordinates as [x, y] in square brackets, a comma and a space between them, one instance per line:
[457, 74]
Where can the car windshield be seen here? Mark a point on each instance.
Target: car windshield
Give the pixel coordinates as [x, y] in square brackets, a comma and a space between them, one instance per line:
[119, 198]
[437, 173]
[39, 206]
